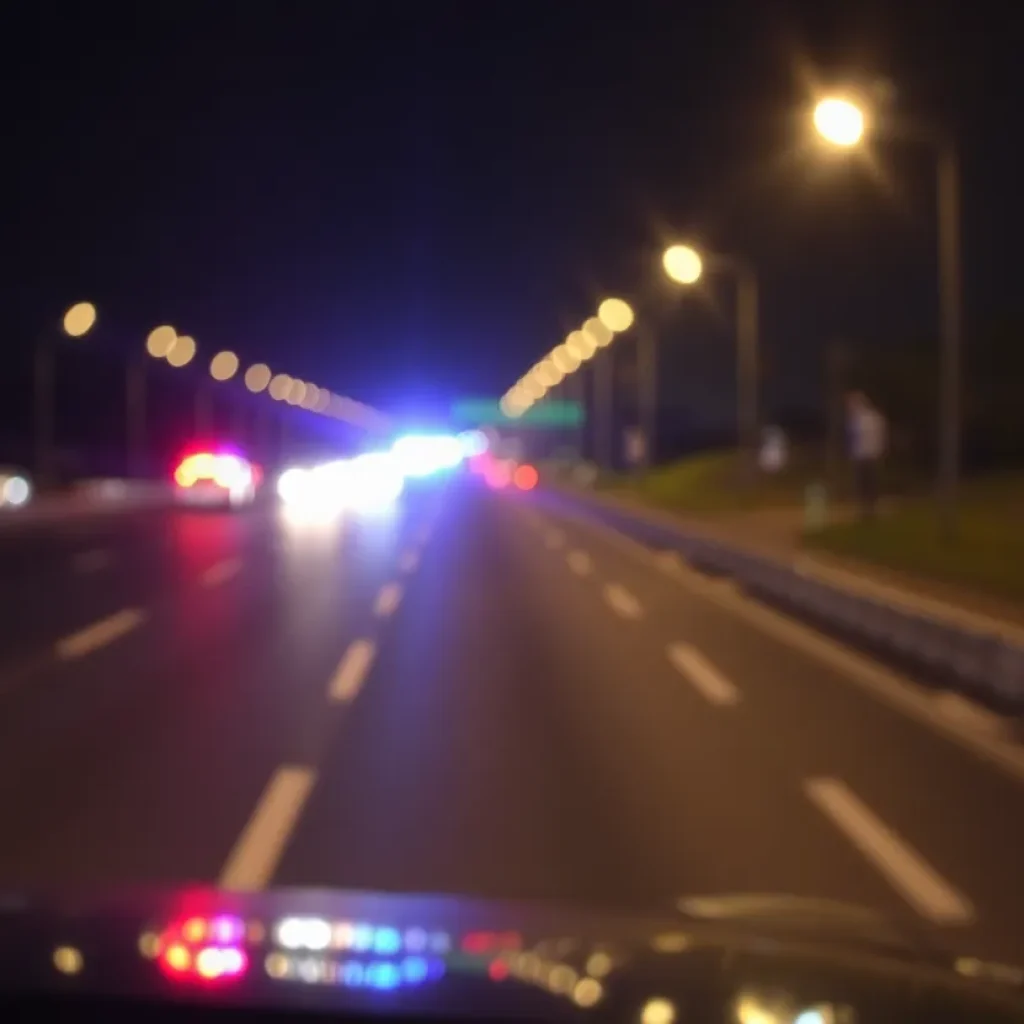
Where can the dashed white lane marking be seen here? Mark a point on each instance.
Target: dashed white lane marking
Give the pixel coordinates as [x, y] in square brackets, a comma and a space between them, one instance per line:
[388, 599]
[408, 560]
[220, 572]
[905, 869]
[554, 538]
[580, 563]
[704, 677]
[255, 856]
[352, 669]
[622, 602]
[881, 683]
[99, 634]
[91, 561]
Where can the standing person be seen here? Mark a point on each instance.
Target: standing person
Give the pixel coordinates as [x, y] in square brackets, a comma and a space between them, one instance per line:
[868, 438]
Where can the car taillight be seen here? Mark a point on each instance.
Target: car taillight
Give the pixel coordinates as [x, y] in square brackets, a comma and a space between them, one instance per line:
[227, 471]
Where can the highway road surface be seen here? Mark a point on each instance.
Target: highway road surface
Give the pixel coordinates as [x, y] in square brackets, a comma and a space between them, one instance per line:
[483, 692]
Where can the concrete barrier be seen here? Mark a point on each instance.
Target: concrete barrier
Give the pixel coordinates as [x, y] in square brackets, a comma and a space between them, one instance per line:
[986, 664]
[88, 497]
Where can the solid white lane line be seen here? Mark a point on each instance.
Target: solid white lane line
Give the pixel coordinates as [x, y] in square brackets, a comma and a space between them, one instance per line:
[622, 602]
[91, 561]
[255, 855]
[408, 560]
[580, 562]
[99, 634]
[352, 669]
[220, 572]
[554, 538]
[930, 894]
[704, 677]
[388, 599]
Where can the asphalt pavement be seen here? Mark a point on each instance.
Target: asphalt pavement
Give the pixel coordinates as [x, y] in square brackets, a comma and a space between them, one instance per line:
[484, 693]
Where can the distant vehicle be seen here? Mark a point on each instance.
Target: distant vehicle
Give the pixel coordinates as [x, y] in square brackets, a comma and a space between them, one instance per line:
[15, 487]
[216, 479]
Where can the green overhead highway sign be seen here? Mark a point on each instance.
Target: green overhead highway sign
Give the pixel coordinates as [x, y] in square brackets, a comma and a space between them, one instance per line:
[552, 413]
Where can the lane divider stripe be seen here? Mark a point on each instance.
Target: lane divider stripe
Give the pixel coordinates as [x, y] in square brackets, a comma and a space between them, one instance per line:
[256, 854]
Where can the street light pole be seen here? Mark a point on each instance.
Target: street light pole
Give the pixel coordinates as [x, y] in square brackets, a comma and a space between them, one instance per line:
[604, 409]
[747, 360]
[203, 411]
[647, 393]
[44, 408]
[135, 413]
[950, 327]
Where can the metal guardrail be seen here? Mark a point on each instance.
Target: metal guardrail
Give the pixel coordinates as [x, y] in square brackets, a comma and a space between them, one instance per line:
[981, 664]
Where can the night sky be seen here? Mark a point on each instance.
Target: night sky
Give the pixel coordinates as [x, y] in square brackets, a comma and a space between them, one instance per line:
[407, 202]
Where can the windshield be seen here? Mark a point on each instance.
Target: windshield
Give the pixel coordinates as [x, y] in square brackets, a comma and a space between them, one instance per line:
[540, 458]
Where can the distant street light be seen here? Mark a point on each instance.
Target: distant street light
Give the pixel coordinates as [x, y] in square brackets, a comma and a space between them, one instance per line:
[182, 351]
[257, 377]
[160, 341]
[279, 387]
[616, 315]
[548, 373]
[296, 392]
[565, 359]
[79, 319]
[844, 124]
[310, 398]
[599, 332]
[683, 264]
[224, 366]
[581, 345]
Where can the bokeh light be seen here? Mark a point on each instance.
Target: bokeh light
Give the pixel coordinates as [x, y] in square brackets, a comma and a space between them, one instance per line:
[581, 345]
[296, 393]
[683, 264]
[616, 315]
[224, 366]
[598, 332]
[79, 319]
[839, 121]
[565, 359]
[257, 377]
[160, 341]
[182, 351]
[280, 386]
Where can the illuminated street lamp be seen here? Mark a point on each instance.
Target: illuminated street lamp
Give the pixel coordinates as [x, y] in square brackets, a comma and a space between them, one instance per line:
[257, 377]
[565, 359]
[581, 345]
[160, 341]
[598, 332]
[844, 124]
[79, 320]
[839, 121]
[616, 315]
[182, 351]
[224, 366]
[685, 265]
[279, 387]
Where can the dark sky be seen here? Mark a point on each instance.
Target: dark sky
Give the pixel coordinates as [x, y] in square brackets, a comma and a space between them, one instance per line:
[422, 197]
